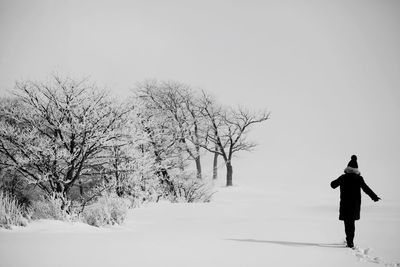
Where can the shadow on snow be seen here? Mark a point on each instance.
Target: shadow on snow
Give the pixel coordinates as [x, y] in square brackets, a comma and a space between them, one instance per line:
[292, 244]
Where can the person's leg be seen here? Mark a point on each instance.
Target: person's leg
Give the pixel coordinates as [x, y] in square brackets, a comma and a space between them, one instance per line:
[349, 228]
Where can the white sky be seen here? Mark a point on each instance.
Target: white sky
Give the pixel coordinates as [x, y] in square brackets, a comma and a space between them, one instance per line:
[328, 70]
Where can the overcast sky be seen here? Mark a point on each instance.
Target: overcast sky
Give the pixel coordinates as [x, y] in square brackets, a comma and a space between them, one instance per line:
[329, 71]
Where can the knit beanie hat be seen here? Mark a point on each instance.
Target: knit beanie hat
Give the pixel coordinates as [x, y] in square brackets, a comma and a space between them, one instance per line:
[353, 162]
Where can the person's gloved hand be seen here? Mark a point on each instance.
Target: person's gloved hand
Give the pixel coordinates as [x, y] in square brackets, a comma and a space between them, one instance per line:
[377, 199]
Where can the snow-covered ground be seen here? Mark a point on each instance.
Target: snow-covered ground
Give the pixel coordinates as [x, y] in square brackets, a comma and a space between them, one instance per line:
[243, 226]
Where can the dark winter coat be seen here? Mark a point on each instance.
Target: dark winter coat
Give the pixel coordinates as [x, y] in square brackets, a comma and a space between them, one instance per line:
[350, 195]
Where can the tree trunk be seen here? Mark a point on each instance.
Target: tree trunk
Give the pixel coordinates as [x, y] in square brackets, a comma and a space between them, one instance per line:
[118, 188]
[198, 167]
[215, 166]
[81, 188]
[163, 174]
[166, 181]
[229, 173]
[61, 193]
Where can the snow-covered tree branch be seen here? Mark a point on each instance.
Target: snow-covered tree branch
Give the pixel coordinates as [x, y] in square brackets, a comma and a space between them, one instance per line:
[227, 130]
[179, 103]
[54, 133]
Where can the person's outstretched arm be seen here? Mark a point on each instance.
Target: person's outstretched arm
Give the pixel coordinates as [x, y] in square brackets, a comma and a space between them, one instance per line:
[368, 191]
[336, 182]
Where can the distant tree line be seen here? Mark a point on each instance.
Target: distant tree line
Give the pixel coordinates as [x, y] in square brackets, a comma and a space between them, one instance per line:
[70, 140]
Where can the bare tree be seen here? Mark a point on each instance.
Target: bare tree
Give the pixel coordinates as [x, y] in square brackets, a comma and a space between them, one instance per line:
[162, 140]
[226, 134]
[215, 164]
[179, 103]
[55, 134]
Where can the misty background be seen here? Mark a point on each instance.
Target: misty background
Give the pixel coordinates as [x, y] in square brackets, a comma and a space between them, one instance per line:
[327, 70]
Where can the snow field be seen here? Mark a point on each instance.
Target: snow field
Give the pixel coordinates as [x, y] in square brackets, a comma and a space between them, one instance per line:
[243, 226]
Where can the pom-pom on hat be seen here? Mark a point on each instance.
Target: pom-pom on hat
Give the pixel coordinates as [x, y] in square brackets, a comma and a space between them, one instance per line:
[353, 162]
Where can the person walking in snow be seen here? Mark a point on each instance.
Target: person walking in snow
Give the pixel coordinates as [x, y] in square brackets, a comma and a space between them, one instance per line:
[351, 183]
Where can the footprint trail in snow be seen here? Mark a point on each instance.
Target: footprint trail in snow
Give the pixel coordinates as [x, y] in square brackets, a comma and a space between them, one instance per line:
[364, 254]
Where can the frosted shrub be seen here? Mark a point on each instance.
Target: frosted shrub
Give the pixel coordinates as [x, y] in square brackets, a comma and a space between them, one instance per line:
[108, 210]
[11, 212]
[191, 190]
[96, 215]
[49, 208]
[143, 190]
[118, 210]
